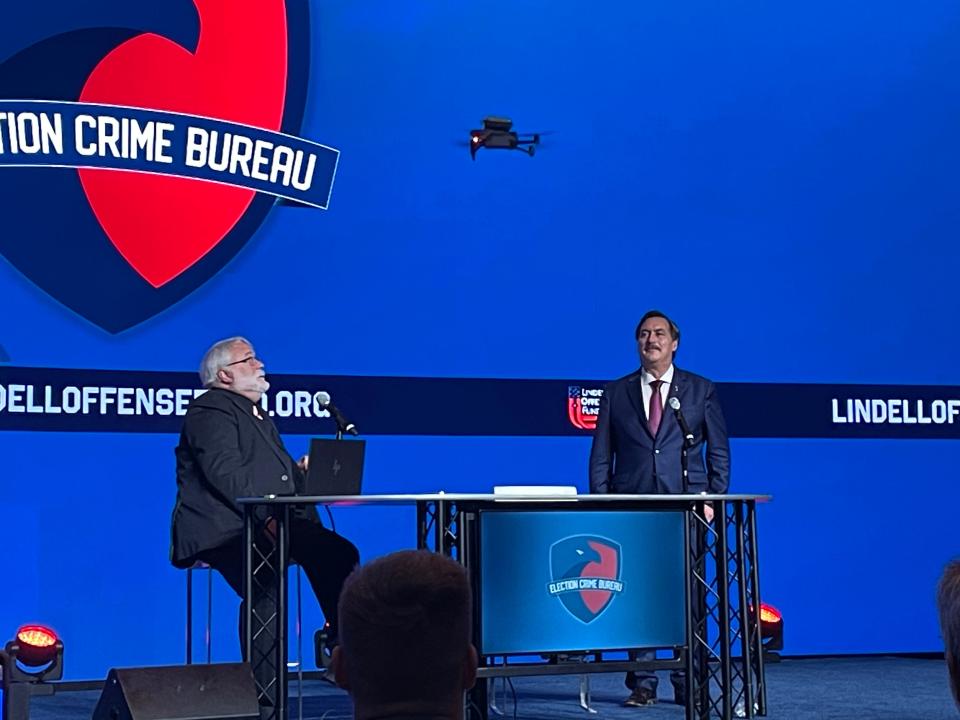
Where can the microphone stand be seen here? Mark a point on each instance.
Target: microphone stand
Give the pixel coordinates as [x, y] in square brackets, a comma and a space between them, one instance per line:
[684, 460]
[687, 444]
[341, 422]
[684, 467]
[684, 463]
[343, 425]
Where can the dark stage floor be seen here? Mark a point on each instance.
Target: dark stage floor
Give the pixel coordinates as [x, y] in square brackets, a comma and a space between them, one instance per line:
[854, 688]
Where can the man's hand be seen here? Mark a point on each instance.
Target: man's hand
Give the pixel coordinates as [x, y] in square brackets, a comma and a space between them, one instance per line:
[304, 463]
[708, 512]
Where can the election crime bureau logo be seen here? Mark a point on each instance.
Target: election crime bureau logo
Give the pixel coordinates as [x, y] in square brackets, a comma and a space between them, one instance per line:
[583, 406]
[585, 575]
[142, 144]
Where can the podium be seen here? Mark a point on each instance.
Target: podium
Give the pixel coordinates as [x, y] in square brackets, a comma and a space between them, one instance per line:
[603, 573]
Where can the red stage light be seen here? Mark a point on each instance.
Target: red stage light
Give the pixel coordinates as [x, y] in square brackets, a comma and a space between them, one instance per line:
[37, 645]
[769, 614]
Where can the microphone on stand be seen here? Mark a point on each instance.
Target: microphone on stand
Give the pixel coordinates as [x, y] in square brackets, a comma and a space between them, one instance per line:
[323, 400]
[674, 402]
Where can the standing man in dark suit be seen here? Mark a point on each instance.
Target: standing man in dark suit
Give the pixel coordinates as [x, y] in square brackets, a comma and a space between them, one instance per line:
[638, 443]
[230, 448]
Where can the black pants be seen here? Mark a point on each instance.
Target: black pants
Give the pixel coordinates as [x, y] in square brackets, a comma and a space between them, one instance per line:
[648, 679]
[678, 678]
[326, 557]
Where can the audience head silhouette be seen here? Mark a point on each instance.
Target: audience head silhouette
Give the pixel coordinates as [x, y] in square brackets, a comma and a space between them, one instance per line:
[948, 604]
[405, 637]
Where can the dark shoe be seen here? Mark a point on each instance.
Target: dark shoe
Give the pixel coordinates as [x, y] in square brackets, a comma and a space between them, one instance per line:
[641, 697]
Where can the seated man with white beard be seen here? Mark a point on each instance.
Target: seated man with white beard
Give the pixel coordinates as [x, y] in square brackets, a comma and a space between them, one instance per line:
[230, 448]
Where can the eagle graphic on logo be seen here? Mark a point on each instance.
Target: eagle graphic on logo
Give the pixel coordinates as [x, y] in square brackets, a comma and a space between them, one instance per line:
[116, 246]
[585, 575]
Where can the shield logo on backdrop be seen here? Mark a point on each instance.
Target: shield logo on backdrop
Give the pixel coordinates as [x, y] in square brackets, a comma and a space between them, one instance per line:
[118, 247]
[585, 574]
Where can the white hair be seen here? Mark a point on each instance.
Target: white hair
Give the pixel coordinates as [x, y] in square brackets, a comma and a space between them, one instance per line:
[217, 357]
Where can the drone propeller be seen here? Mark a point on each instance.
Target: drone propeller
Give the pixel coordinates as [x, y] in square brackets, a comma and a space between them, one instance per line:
[535, 137]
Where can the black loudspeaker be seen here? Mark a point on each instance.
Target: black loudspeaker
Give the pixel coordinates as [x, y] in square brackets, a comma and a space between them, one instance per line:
[181, 692]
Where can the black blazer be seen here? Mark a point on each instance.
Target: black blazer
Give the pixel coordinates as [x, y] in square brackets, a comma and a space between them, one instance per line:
[225, 452]
[626, 458]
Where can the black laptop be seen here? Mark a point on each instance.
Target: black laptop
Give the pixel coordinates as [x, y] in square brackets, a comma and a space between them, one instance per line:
[336, 467]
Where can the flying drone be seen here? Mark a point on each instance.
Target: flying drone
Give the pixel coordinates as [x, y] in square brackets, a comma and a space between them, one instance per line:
[497, 135]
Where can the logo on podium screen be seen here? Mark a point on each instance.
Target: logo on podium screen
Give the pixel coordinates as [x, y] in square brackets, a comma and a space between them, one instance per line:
[585, 575]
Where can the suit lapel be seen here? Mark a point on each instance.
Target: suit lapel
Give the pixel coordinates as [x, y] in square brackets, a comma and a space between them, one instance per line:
[635, 393]
[679, 390]
[681, 386]
[265, 426]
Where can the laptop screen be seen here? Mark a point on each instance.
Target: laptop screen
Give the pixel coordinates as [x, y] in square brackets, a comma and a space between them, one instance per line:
[336, 467]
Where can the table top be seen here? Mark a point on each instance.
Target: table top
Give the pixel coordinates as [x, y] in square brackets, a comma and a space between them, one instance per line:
[474, 498]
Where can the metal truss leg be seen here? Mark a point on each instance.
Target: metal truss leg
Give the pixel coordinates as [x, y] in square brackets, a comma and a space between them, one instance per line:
[722, 559]
[424, 523]
[749, 631]
[265, 609]
[439, 521]
[724, 581]
[754, 598]
[699, 650]
[702, 646]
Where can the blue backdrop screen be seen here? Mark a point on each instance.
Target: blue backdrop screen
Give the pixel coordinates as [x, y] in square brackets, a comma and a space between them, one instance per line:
[779, 178]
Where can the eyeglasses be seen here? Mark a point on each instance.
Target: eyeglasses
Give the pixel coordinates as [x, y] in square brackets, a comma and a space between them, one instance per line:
[250, 359]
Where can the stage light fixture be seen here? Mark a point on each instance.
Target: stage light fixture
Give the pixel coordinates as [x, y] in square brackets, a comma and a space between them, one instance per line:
[27, 664]
[769, 614]
[38, 645]
[771, 628]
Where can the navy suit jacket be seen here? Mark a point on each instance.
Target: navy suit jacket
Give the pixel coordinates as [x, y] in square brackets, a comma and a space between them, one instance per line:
[626, 458]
